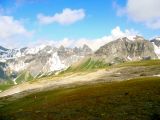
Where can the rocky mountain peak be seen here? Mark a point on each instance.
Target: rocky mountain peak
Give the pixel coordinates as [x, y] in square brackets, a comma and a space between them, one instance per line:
[61, 48]
[86, 47]
[156, 41]
[133, 38]
[47, 58]
[139, 38]
[124, 49]
[3, 49]
[23, 49]
[84, 50]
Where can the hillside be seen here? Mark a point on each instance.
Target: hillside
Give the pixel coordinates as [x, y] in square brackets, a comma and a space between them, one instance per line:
[87, 64]
[79, 60]
[46, 60]
[135, 99]
[131, 87]
[23, 77]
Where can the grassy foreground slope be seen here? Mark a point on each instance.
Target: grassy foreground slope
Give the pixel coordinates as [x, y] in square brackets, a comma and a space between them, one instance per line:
[136, 99]
[141, 63]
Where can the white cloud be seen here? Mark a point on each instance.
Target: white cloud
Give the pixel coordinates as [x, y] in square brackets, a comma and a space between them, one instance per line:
[11, 30]
[115, 34]
[94, 44]
[155, 24]
[10, 27]
[145, 11]
[68, 16]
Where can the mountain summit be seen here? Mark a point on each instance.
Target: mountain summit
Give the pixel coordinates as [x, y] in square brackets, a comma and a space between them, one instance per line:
[44, 60]
[124, 49]
[40, 60]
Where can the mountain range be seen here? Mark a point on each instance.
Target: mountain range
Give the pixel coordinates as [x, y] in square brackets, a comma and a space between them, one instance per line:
[19, 65]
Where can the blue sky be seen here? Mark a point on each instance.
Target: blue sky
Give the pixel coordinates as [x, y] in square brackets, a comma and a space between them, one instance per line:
[89, 19]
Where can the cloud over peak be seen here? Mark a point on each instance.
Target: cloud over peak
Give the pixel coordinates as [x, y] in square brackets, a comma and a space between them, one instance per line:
[94, 44]
[66, 17]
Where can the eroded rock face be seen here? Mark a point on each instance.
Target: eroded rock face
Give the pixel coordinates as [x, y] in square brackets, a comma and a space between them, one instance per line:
[124, 49]
[41, 59]
[3, 71]
[156, 41]
[156, 44]
[47, 58]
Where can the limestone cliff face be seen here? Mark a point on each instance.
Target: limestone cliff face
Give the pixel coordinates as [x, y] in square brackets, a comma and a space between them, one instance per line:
[46, 59]
[41, 59]
[156, 44]
[156, 41]
[124, 49]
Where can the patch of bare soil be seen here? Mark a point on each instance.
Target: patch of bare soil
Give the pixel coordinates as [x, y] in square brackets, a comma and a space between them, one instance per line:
[114, 74]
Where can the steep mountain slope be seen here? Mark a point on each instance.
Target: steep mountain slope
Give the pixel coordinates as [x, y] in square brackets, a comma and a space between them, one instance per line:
[156, 44]
[3, 52]
[3, 74]
[23, 77]
[87, 64]
[3, 49]
[43, 59]
[124, 49]
[156, 41]
[90, 95]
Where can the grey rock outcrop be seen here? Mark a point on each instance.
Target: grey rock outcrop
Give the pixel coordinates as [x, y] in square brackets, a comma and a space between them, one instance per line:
[156, 41]
[124, 49]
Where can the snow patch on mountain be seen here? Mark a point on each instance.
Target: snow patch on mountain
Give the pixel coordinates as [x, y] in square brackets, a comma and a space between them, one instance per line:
[50, 51]
[35, 50]
[158, 38]
[2, 50]
[129, 58]
[156, 50]
[14, 81]
[2, 60]
[18, 54]
[18, 66]
[132, 38]
[55, 63]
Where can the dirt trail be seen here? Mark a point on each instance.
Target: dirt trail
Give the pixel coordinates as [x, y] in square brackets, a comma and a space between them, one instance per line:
[59, 82]
[112, 74]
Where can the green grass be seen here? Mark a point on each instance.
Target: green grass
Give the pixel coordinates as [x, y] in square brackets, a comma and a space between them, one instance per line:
[136, 99]
[23, 77]
[5, 86]
[141, 63]
[91, 64]
[87, 65]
